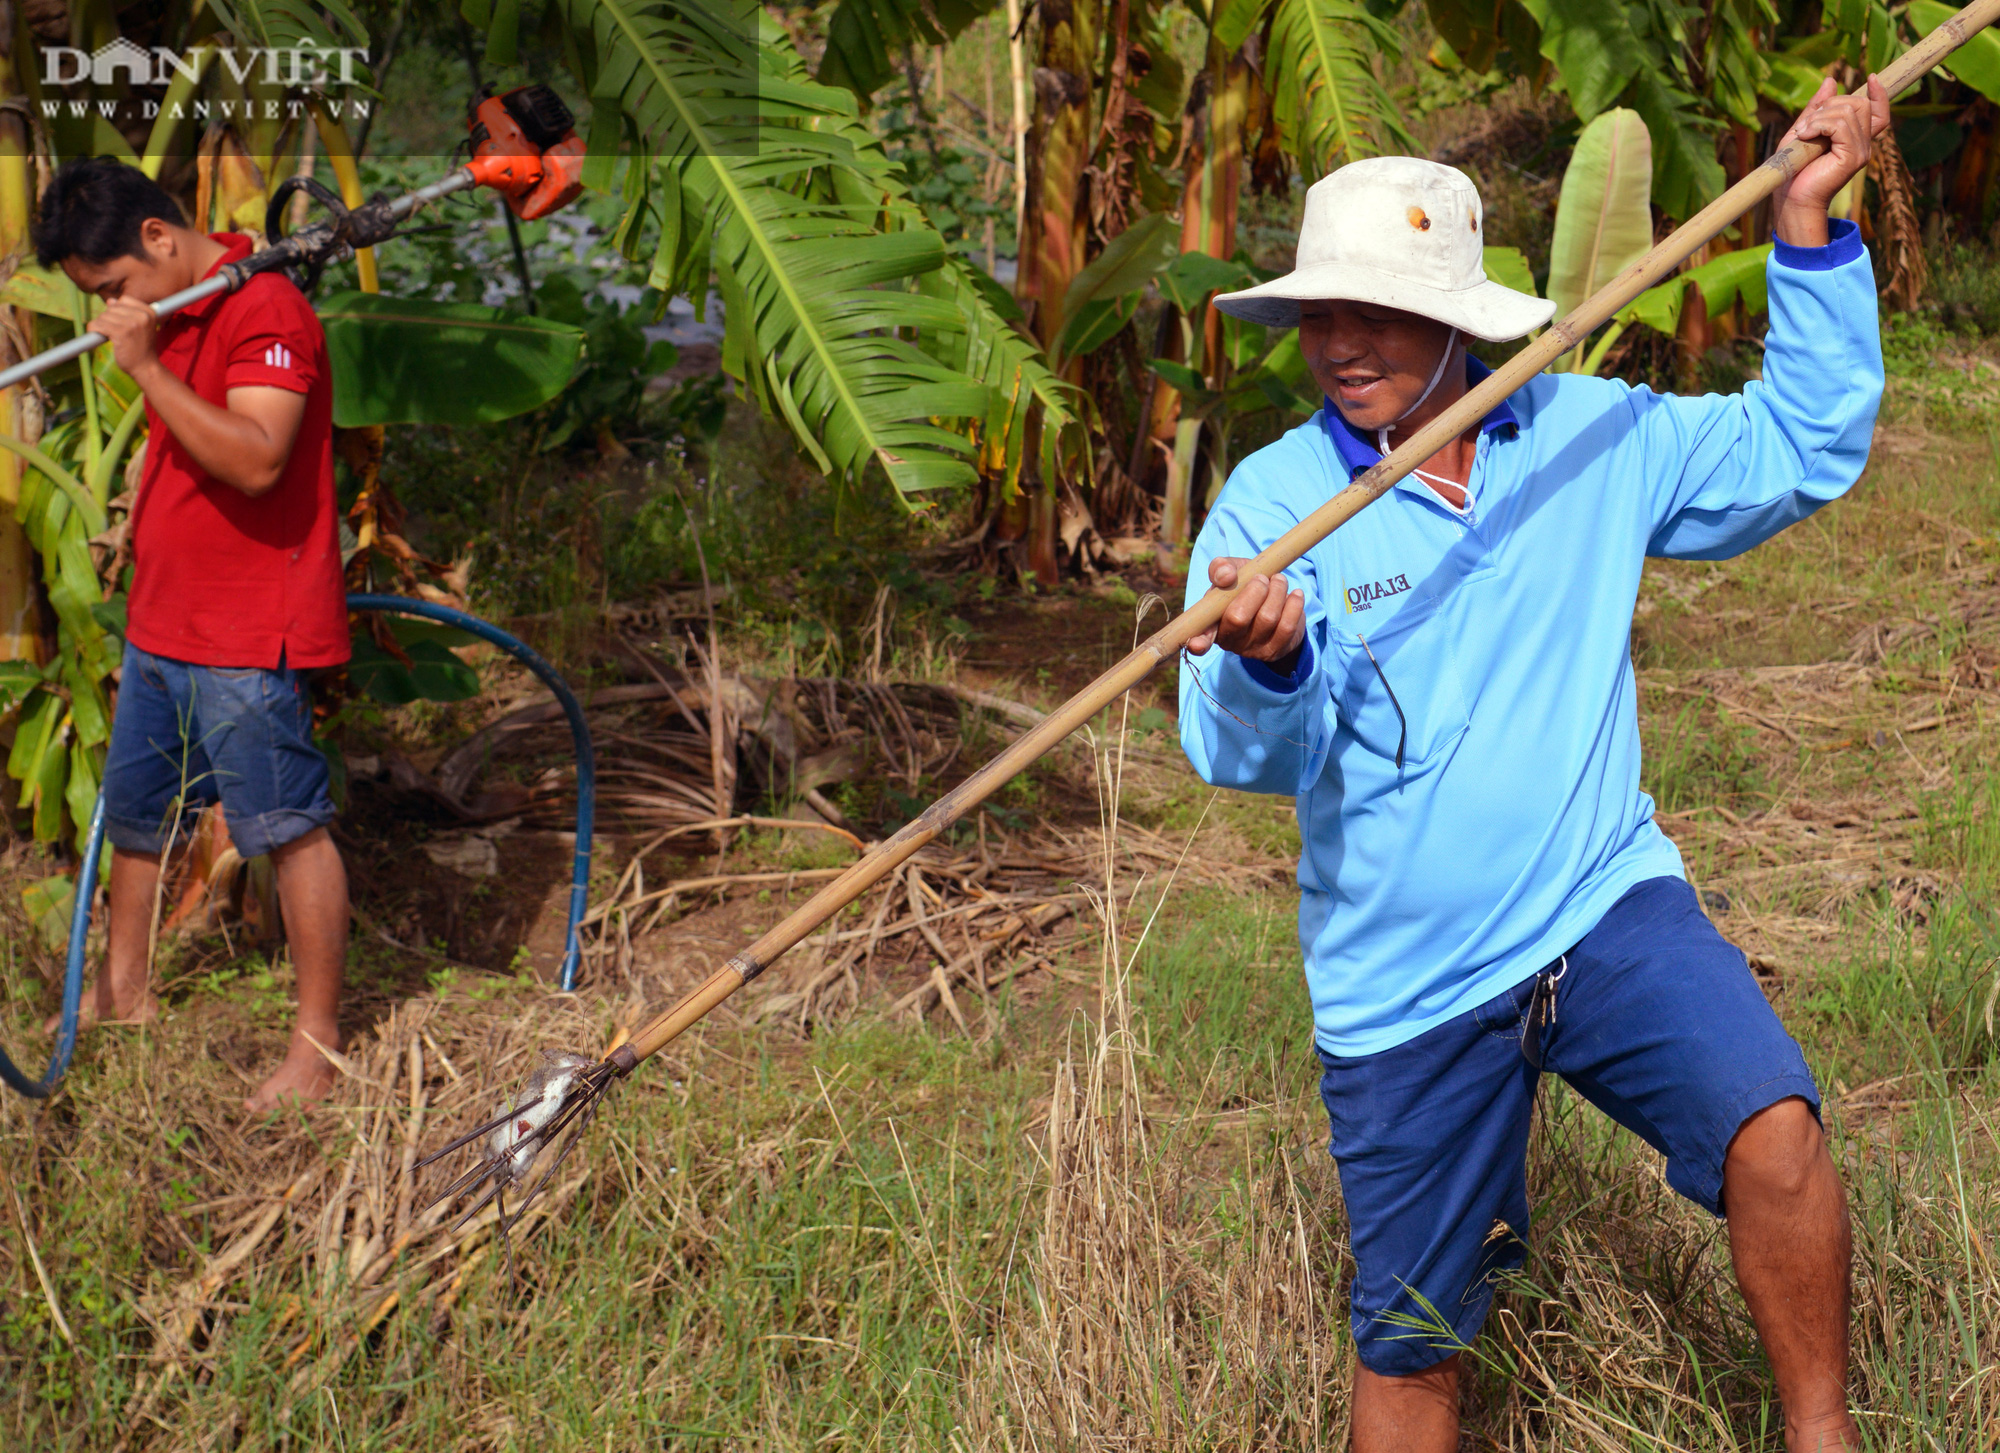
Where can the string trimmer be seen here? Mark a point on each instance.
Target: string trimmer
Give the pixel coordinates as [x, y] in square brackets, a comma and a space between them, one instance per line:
[565, 1095]
[524, 146]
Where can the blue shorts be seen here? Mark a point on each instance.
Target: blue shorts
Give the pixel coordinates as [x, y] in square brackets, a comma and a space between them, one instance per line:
[189, 735]
[1659, 1023]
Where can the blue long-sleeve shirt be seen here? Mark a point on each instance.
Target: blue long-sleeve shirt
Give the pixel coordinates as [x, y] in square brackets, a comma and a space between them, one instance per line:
[1504, 634]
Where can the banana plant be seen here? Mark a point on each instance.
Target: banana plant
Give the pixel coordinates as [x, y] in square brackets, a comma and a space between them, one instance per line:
[18, 640]
[1319, 92]
[1104, 296]
[1249, 372]
[848, 316]
[61, 707]
[1031, 413]
[1690, 70]
[844, 313]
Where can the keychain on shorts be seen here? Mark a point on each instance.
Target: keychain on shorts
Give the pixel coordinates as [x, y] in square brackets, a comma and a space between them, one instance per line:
[1542, 1011]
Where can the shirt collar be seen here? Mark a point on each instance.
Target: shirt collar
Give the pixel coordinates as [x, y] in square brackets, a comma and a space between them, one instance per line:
[239, 247]
[1357, 450]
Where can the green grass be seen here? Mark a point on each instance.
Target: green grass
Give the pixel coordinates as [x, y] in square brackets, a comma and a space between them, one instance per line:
[1928, 1004]
[1222, 998]
[1700, 756]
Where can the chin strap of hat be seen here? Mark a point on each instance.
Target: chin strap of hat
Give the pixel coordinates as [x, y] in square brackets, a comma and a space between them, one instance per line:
[1437, 376]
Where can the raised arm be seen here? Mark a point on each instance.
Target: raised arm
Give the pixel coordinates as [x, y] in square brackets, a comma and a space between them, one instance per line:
[1747, 465]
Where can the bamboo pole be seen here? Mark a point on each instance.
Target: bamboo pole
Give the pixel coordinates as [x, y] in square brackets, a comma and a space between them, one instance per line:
[1561, 337]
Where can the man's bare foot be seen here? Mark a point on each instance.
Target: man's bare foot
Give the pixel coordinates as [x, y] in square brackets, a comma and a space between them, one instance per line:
[304, 1077]
[90, 1014]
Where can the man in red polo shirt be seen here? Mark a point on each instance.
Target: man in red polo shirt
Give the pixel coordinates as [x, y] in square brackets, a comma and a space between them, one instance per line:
[236, 587]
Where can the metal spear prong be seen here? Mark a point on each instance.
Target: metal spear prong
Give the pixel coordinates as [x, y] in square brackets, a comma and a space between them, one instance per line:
[500, 1168]
[477, 1132]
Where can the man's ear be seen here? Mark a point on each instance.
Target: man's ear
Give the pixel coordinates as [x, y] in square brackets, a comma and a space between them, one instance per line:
[159, 239]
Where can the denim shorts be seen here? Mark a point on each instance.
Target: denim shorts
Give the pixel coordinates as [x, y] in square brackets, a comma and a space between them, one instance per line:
[1659, 1023]
[188, 735]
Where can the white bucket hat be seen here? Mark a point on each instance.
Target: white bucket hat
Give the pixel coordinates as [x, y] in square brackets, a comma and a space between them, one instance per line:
[1399, 232]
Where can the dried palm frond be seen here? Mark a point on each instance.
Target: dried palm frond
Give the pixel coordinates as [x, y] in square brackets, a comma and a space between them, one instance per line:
[1896, 229]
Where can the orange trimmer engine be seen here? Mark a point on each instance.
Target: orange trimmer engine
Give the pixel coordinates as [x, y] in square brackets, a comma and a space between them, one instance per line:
[525, 147]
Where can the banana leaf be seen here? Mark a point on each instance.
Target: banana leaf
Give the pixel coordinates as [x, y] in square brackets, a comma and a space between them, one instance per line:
[1022, 390]
[1234, 21]
[1196, 275]
[1326, 92]
[1723, 281]
[434, 673]
[783, 193]
[1113, 279]
[37, 760]
[1977, 62]
[47, 290]
[289, 24]
[413, 361]
[1508, 266]
[49, 902]
[1604, 219]
[865, 39]
[1790, 80]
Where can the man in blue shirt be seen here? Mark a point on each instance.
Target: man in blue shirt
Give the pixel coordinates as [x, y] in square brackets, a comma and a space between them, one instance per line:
[1446, 687]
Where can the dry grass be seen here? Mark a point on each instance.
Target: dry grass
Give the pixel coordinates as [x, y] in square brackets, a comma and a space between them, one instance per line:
[325, 1216]
[1149, 1328]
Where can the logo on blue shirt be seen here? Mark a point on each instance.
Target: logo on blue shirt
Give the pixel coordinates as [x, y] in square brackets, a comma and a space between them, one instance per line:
[1363, 597]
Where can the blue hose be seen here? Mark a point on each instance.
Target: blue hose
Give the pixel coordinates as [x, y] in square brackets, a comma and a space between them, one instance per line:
[586, 758]
[586, 813]
[79, 933]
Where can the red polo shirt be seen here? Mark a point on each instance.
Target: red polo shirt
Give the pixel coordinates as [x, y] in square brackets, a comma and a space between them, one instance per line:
[219, 578]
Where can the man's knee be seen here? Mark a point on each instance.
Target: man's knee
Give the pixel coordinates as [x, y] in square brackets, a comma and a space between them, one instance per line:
[1780, 1152]
[313, 841]
[1438, 1381]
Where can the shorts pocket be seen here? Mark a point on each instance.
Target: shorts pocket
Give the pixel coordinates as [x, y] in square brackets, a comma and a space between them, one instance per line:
[1503, 1014]
[1409, 693]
